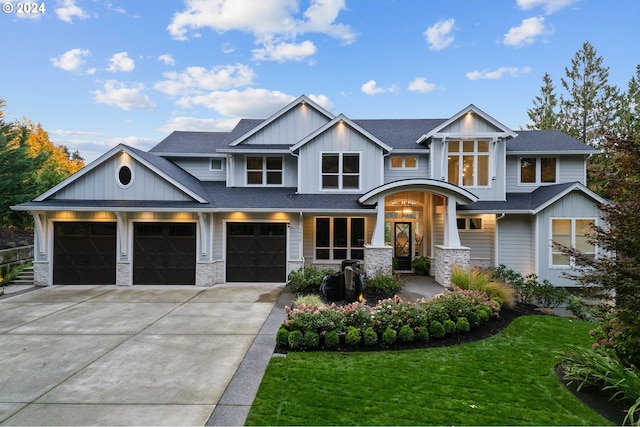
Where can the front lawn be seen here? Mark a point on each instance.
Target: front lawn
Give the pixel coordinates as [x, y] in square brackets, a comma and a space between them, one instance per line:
[508, 379]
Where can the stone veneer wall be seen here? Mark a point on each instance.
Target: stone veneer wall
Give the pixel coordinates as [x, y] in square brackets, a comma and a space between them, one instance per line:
[123, 274]
[377, 260]
[446, 258]
[41, 273]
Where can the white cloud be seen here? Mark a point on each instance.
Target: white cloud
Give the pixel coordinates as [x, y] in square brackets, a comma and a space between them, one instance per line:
[119, 95]
[121, 62]
[285, 52]
[194, 124]
[71, 60]
[439, 34]
[497, 74]
[248, 103]
[549, 6]
[322, 100]
[371, 88]
[167, 59]
[67, 10]
[526, 33]
[421, 85]
[275, 24]
[196, 80]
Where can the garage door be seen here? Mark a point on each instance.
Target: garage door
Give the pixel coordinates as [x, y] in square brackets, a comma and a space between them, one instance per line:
[164, 254]
[256, 252]
[84, 253]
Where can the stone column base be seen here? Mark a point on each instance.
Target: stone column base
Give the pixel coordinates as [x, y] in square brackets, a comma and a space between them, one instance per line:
[446, 258]
[123, 274]
[377, 260]
[209, 273]
[41, 273]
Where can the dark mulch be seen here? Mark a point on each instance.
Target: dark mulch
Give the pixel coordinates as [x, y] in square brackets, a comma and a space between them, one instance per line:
[14, 237]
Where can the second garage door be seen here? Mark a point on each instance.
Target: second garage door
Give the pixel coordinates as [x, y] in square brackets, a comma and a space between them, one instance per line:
[256, 252]
[164, 253]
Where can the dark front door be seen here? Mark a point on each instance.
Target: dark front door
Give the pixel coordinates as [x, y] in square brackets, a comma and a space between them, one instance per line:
[256, 252]
[164, 253]
[402, 245]
[84, 253]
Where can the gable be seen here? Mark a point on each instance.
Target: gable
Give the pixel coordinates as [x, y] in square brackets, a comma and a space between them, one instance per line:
[471, 123]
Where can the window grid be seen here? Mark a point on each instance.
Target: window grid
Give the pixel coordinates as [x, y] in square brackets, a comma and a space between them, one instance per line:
[264, 170]
[340, 171]
[573, 233]
[339, 238]
[538, 170]
[468, 163]
[403, 162]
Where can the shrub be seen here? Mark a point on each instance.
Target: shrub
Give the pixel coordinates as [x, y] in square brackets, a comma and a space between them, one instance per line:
[421, 265]
[462, 325]
[307, 280]
[282, 337]
[332, 339]
[481, 280]
[311, 300]
[353, 337]
[436, 329]
[296, 339]
[370, 337]
[311, 318]
[549, 296]
[389, 336]
[502, 292]
[483, 315]
[423, 333]
[311, 339]
[474, 319]
[382, 286]
[523, 287]
[406, 334]
[449, 326]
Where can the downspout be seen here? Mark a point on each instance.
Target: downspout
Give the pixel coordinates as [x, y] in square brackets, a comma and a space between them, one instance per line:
[301, 243]
[297, 156]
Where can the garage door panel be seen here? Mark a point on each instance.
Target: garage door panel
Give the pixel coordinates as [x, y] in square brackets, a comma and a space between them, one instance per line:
[256, 252]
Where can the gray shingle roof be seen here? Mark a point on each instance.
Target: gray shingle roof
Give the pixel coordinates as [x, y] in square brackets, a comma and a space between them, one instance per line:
[399, 133]
[181, 142]
[525, 202]
[546, 141]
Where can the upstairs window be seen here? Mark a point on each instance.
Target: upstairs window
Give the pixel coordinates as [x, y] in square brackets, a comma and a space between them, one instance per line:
[404, 162]
[468, 163]
[264, 170]
[538, 171]
[340, 171]
[216, 164]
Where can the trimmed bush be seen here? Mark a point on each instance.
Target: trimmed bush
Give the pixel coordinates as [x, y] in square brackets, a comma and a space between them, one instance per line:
[370, 337]
[462, 325]
[282, 337]
[474, 319]
[423, 333]
[483, 315]
[307, 280]
[353, 337]
[332, 339]
[382, 286]
[389, 336]
[311, 339]
[436, 329]
[449, 326]
[296, 339]
[406, 334]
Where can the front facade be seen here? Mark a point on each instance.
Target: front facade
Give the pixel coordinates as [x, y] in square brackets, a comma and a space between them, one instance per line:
[308, 187]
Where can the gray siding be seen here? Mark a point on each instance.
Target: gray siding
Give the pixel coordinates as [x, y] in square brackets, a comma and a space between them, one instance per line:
[289, 128]
[423, 170]
[200, 168]
[340, 138]
[239, 170]
[481, 242]
[574, 205]
[516, 243]
[101, 184]
[570, 169]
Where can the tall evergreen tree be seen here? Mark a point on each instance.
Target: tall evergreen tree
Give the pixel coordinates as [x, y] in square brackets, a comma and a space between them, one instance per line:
[588, 109]
[543, 115]
[628, 115]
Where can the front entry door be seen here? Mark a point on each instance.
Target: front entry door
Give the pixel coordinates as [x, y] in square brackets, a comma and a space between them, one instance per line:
[402, 245]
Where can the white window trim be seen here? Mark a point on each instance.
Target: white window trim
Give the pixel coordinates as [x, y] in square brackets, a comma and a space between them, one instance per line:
[475, 155]
[264, 171]
[572, 261]
[404, 160]
[222, 162]
[538, 181]
[467, 224]
[331, 247]
[340, 172]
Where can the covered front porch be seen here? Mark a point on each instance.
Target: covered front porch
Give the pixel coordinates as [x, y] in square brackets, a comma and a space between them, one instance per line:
[416, 217]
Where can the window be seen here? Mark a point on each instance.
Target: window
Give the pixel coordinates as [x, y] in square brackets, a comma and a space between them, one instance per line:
[573, 233]
[264, 170]
[469, 224]
[535, 170]
[340, 171]
[216, 164]
[124, 176]
[404, 162]
[339, 238]
[468, 163]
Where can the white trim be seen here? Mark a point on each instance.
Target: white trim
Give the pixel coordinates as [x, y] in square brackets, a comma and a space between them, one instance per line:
[340, 172]
[572, 236]
[460, 154]
[575, 186]
[403, 159]
[467, 223]
[119, 181]
[441, 188]
[264, 172]
[222, 162]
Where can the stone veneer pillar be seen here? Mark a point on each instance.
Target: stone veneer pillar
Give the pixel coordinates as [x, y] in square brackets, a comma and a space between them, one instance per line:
[123, 274]
[446, 258]
[41, 273]
[377, 260]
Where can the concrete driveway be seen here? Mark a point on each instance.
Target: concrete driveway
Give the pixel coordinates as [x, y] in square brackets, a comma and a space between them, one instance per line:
[107, 355]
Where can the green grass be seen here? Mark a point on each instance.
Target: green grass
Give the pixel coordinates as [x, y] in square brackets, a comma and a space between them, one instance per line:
[508, 379]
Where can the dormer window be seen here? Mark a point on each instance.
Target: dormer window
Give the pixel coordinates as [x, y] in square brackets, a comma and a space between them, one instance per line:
[264, 170]
[468, 163]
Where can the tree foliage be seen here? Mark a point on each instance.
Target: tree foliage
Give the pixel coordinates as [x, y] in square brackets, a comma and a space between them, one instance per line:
[544, 115]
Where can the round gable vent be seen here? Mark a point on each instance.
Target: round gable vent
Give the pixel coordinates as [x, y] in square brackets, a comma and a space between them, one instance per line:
[125, 176]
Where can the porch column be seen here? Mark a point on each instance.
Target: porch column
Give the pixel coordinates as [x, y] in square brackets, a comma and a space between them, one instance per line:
[378, 230]
[451, 236]
[377, 256]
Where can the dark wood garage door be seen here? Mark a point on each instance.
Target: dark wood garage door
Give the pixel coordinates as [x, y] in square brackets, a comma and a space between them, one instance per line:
[84, 253]
[256, 252]
[164, 254]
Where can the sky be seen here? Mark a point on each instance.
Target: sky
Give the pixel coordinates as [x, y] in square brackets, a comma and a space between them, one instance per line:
[97, 73]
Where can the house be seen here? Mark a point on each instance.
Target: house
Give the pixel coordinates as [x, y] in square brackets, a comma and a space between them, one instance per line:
[309, 187]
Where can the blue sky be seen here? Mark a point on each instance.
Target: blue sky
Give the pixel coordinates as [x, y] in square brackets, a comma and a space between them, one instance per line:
[96, 73]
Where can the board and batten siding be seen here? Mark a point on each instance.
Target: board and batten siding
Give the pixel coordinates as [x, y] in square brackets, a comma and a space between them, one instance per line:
[516, 242]
[395, 174]
[101, 184]
[575, 205]
[200, 168]
[571, 168]
[340, 138]
[290, 127]
[239, 170]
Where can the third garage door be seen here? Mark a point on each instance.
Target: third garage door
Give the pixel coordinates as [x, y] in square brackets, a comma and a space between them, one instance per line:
[256, 252]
